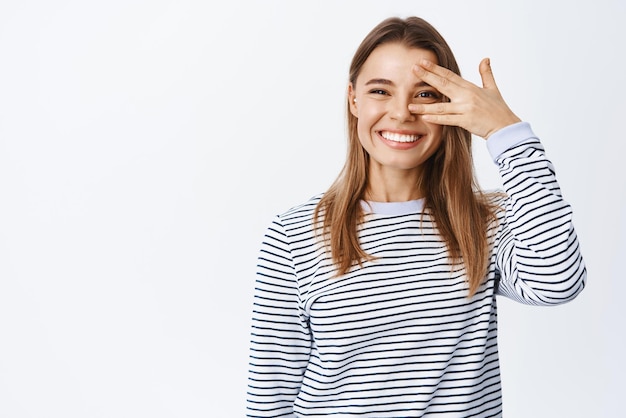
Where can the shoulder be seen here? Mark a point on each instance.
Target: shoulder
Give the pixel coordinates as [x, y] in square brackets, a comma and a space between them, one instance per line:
[301, 214]
[303, 208]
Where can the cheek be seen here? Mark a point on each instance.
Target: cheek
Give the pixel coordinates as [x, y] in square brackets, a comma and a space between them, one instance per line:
[368, 116]
[364, 134]
[436, 134]
[435, 130]
[363, 122]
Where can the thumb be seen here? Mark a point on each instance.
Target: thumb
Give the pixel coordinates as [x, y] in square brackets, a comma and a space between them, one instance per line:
[486, 74]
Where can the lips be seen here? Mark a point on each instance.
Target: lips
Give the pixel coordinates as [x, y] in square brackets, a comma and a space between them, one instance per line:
[400, 137]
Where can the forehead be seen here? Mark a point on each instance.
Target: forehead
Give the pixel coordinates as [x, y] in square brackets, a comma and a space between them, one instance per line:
[393, 60]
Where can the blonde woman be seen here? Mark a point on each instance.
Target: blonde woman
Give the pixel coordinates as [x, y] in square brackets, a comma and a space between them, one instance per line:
[377, 298]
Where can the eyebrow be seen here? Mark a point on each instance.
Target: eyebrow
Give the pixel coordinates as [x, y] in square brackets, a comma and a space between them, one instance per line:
[390, 83]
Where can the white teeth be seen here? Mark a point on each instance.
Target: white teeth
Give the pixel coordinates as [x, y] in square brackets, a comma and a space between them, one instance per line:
[392, 136]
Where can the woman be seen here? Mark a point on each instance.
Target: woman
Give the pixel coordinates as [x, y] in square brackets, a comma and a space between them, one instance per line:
[378, 298]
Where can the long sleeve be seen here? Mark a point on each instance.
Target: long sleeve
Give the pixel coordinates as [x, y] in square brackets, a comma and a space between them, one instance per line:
[538, 256]
[281, 341]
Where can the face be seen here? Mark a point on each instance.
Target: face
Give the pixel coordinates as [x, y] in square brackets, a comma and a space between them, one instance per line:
[394, 138]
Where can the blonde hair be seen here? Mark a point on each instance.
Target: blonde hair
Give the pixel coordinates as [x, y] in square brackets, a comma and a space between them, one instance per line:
[460, 210]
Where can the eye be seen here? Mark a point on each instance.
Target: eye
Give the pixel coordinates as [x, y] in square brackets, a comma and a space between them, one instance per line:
[427, 96]
[378, 91]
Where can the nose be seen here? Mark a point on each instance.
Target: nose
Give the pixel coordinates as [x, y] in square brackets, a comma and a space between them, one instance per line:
[400, 110]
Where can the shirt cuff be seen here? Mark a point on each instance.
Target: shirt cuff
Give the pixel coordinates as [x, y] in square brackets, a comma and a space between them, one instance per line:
[508, 137]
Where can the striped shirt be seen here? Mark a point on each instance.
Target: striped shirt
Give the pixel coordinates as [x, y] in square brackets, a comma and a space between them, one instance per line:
[400, 337]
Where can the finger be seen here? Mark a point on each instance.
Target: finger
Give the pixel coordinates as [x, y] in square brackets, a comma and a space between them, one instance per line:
[451, 120]
[442, 108]
[446, 75]
[486, 74]
[438, 77]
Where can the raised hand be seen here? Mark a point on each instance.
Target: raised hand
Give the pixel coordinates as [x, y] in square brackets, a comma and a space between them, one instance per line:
[482, 111]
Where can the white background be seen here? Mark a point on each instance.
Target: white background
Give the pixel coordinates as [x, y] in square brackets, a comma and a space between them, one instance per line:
[145, 146]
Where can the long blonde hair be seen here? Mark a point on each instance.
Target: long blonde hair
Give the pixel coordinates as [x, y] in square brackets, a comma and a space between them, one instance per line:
[460, 210]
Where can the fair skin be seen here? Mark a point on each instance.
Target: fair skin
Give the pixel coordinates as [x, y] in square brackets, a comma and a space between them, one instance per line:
[397, 140]
[482, 111]
[397, 99]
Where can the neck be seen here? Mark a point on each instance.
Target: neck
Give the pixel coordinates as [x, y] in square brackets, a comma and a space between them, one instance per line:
[393, 185]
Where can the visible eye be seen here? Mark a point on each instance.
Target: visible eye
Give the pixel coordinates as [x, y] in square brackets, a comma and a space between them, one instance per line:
[378, 91]
[427, 96]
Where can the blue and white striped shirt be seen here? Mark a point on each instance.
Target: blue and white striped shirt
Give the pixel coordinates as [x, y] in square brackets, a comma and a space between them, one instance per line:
[400, 337]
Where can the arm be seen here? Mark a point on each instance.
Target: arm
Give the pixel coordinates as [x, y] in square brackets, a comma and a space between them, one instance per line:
[537, 252]
[280, 342]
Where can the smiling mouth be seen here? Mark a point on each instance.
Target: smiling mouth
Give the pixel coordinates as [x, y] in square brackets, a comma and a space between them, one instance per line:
[396, 137]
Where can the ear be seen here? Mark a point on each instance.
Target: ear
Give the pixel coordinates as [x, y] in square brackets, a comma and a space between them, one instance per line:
[352, 101]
